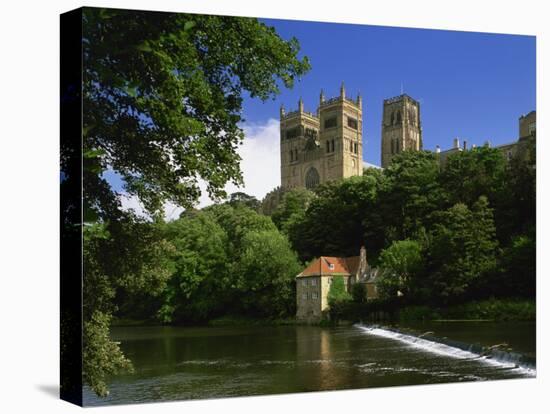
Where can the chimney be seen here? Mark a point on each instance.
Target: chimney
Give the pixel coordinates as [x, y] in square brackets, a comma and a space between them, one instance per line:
[362, 260]
[359, 100]
[342, 90]
[465, 145]
[456, 143]
[322, 97]
[301, 105]
[437, 149]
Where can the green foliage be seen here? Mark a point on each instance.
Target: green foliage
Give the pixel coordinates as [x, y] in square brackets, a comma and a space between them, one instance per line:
[201, 265]
[463, 250]
[245, 200]
[229, 260]
[266, 270]
[402, 264]
[271, 201]
[163, 100]
[292, 208]
[493, 309]
[359, 292]
[470, 174]
[121, 259]
[101, 356]
[333, 223]
[337, 292]
[515, 214]
[409, 194]
[518, 274]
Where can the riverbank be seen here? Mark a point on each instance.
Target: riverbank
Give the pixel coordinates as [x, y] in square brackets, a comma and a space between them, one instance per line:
[497, 310]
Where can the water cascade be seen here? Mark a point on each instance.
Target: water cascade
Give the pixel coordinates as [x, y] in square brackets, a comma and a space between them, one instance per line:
[455, 349]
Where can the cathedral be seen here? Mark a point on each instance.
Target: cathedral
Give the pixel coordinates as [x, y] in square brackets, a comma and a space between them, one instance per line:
[322, 146]
[328, 144]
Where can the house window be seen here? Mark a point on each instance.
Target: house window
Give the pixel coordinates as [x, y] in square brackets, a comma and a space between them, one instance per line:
[304, 282]
[304, 296]
[331, 266]
[314, 295]
[332, 146]
[313, 282]
[531, 128]
[355, 147]
[328, 146]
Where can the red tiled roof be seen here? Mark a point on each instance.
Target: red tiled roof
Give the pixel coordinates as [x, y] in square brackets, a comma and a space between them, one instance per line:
[341, 265]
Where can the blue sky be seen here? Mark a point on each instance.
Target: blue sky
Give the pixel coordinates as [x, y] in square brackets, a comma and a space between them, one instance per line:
[470, 85]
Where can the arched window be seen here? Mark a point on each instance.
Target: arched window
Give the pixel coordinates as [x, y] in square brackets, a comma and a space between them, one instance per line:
[332, 145]
[328, 146]
[392, 117]
[398, 118]
[291, 155]
[312, 178]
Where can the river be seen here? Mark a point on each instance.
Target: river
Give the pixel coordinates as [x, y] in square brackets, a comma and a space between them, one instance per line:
[177, 363]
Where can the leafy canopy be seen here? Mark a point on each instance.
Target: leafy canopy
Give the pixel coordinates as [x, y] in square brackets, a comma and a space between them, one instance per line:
[163, 98]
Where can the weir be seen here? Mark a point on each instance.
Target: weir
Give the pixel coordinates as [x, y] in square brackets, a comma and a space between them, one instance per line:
[456, 349]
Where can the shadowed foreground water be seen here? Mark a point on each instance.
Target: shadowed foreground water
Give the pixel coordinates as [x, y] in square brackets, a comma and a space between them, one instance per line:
[174, 363]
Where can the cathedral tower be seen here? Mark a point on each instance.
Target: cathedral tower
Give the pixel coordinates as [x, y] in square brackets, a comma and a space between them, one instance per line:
[327, 145]
[401, 127]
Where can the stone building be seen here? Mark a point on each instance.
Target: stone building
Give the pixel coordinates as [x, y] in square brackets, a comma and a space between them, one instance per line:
[401, 127]
[527, 132]
[313, 283]
[322, 146]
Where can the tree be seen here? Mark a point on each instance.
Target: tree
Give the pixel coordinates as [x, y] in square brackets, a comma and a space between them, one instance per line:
[400, 263]
[244, 199]
[518, 276]
[410, 193]
[197, 288]
[333, 221]
[467, 175]
[516, 212]
[229, 260]
[130, 256]
[266, 270]
[162, 100]
[359, 292]
[292, 208]
[463, 250]
[271, 201]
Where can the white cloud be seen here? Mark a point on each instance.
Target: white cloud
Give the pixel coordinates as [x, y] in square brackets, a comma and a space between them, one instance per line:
[260, 162]
[260, 165]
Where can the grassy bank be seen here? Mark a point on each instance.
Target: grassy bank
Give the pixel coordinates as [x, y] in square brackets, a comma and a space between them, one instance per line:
[490, 309]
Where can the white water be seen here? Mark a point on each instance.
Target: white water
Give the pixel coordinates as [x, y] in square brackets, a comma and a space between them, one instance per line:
[442, 349]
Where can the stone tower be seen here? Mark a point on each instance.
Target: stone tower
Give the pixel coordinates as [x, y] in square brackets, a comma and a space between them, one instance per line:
[322, 146]
[401, 127]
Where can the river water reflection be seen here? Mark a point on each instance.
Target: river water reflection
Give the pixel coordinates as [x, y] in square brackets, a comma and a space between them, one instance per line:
[175, 363]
